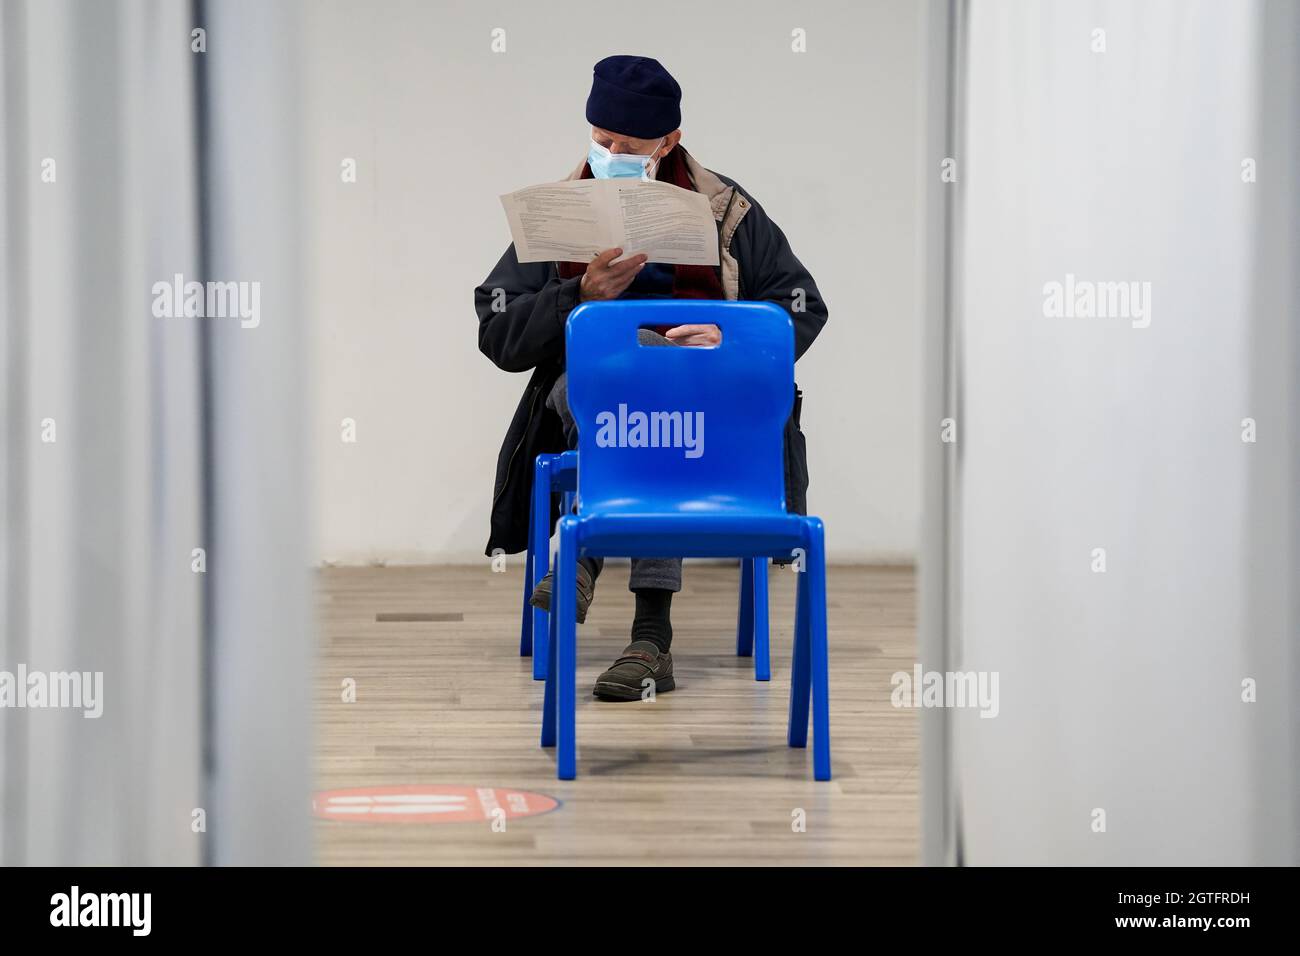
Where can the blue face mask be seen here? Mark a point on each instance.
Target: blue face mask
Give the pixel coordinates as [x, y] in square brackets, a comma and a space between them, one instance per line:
[607, 165]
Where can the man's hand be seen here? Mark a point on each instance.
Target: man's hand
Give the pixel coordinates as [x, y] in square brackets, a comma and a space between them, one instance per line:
[604, 280]
[694, 335]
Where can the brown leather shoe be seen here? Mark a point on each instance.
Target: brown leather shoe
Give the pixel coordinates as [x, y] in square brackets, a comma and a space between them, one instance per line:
[541, 596]
[626, 678]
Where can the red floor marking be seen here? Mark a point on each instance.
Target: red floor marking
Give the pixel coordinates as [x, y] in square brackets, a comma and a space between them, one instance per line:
[434, 803]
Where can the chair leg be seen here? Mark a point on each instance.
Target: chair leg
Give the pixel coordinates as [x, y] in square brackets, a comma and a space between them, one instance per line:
[548, 697]
[564, 604]
[540, 532]
[820, 657]
[800, 686]
[762, 657]
[745, 611]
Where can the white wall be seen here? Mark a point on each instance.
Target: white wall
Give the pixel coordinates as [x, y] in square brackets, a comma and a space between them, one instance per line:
[440, 126]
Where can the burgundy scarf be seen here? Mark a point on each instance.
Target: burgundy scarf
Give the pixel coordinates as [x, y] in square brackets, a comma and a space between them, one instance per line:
[689, 282]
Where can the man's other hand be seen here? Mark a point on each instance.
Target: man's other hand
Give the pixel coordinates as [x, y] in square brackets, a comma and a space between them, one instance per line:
[606, 279]
[694, 335]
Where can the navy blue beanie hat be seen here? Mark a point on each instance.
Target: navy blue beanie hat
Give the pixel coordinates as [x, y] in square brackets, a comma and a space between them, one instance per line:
[635, 96]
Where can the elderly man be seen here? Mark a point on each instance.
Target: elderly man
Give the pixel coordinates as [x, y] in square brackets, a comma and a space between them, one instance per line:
[635, 112]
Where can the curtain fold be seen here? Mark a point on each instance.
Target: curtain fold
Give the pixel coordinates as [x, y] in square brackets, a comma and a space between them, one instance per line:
[1124, 300]
[139, 492]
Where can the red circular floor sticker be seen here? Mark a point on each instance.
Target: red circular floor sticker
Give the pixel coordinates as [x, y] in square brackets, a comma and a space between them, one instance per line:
[434, 803]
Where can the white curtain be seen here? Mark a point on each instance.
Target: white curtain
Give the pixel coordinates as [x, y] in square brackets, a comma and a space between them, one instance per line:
[168, 435]
[1116, 142]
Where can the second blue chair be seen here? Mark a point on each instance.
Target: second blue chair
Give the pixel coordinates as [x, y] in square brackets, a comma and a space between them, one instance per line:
[559, 473]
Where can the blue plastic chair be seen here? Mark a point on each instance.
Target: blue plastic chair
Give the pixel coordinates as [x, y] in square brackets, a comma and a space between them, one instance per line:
[553, 473]
[662, 499]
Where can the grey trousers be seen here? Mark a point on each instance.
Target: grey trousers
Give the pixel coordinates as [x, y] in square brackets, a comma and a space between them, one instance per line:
[664, 573]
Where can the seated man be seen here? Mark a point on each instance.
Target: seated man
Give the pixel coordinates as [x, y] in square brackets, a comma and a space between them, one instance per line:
[634, 110]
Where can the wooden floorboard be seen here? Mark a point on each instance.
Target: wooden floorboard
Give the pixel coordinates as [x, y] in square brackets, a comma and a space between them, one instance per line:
[700, 776]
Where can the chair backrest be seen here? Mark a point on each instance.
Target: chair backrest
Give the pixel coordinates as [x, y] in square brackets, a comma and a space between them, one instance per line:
[675, 428]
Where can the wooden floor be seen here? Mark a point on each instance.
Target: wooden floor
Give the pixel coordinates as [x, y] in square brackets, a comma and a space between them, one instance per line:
[701, 775]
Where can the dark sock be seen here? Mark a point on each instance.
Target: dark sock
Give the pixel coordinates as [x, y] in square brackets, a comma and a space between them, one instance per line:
[592, 567]
[652, 622]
